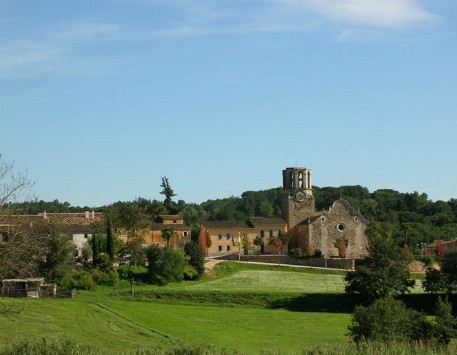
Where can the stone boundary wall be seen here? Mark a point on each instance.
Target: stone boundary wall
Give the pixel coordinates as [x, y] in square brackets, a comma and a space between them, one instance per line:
[333, 263]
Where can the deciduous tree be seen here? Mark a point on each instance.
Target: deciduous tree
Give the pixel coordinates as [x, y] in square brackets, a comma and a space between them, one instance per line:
[383, 272]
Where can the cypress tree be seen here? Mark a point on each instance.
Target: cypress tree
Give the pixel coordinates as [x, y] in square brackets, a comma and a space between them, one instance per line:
[94, 250]
[109, 238]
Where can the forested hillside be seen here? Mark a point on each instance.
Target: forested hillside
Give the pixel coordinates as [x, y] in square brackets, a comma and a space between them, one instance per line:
[413, 216]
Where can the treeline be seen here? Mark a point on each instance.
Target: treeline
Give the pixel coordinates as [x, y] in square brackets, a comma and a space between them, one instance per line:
[414, 218]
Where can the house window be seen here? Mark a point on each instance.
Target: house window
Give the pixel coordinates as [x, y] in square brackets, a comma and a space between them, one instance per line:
[184, 234]
[85, 236]
[279, 232]
[5, 237]
[219, 236]
[271, 232]
[219, 248]
[229, 236]
[262, 233]
[228, 247]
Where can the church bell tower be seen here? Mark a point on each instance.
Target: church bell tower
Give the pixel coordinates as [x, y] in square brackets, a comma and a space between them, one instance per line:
[297, 199]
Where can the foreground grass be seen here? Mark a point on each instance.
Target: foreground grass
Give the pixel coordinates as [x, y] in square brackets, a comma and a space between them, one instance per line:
[121, 325]
[246, 308]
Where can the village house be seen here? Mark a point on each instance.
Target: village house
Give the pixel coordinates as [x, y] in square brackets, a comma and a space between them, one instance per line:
[78, 227]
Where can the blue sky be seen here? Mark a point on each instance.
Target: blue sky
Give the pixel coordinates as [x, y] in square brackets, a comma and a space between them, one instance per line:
[100, 99]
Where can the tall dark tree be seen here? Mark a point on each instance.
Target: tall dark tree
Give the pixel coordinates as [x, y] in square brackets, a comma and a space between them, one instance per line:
[168, 192]
[95, 251]
[109, 238]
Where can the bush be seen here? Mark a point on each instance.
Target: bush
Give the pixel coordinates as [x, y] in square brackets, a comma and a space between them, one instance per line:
[196, 261]
[165, 264]
[388, 319]
[317, 253]
[295, 252]
[108, 277]
[51, 347]
[138, 273]
[80, 280]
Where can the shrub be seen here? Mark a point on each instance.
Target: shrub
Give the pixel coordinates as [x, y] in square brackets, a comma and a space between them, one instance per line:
[295, 252]
[108, 277]
[317, 253]
[196, 261]
[54, 347]
[165, 264]
[388, 319]
[80, 280]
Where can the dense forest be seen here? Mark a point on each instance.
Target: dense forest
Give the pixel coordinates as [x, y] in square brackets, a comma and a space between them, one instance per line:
[413, 216]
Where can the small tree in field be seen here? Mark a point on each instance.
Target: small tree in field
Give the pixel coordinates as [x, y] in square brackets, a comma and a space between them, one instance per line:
[444, 279]
[165, 264]
[383, 272]
[388, 320]
[196, 260]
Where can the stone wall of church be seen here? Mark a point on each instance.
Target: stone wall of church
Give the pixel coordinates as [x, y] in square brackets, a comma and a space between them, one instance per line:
[340, 223]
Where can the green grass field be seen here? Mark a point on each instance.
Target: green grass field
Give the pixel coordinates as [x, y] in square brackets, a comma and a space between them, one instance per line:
[110, 318]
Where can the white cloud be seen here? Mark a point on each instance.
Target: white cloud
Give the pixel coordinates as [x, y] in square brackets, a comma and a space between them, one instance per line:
[378, 13]
[19, 57]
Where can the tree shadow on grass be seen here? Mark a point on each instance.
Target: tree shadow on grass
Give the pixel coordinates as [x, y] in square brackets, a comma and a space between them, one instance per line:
[315, 302]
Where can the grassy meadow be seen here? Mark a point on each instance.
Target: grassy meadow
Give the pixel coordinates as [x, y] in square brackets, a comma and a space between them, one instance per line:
[300, 310]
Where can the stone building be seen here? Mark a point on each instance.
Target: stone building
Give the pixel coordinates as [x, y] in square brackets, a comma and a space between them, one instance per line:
[152, 235]
[323, 230]
[226, 236]
[336, 231]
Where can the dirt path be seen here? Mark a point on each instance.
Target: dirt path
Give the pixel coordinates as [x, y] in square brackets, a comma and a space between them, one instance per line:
[210, 264]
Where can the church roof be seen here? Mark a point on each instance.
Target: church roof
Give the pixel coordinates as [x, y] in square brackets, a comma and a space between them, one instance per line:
[67, 222]
[226, 224]
[262, 221]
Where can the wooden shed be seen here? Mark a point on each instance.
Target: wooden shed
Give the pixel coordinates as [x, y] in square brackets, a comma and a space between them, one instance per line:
[29, 288]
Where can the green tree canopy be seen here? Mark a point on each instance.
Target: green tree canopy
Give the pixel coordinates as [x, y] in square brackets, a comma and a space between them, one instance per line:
[383, 272]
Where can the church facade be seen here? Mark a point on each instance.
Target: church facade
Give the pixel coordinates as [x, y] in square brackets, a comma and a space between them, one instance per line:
[336, 232]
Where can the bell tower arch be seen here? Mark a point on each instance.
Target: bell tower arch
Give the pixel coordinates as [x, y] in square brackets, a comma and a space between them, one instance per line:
[297, 199]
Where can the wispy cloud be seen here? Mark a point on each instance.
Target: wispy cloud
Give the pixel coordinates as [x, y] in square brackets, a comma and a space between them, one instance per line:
[89, 30]
[16, 58]
[296, 16]
[377, 13]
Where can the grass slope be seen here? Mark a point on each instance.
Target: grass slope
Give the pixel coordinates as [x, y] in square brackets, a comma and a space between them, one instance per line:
[306, 312]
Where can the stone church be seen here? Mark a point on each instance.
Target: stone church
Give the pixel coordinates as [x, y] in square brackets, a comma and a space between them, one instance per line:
[323, 230]
[305, 227]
